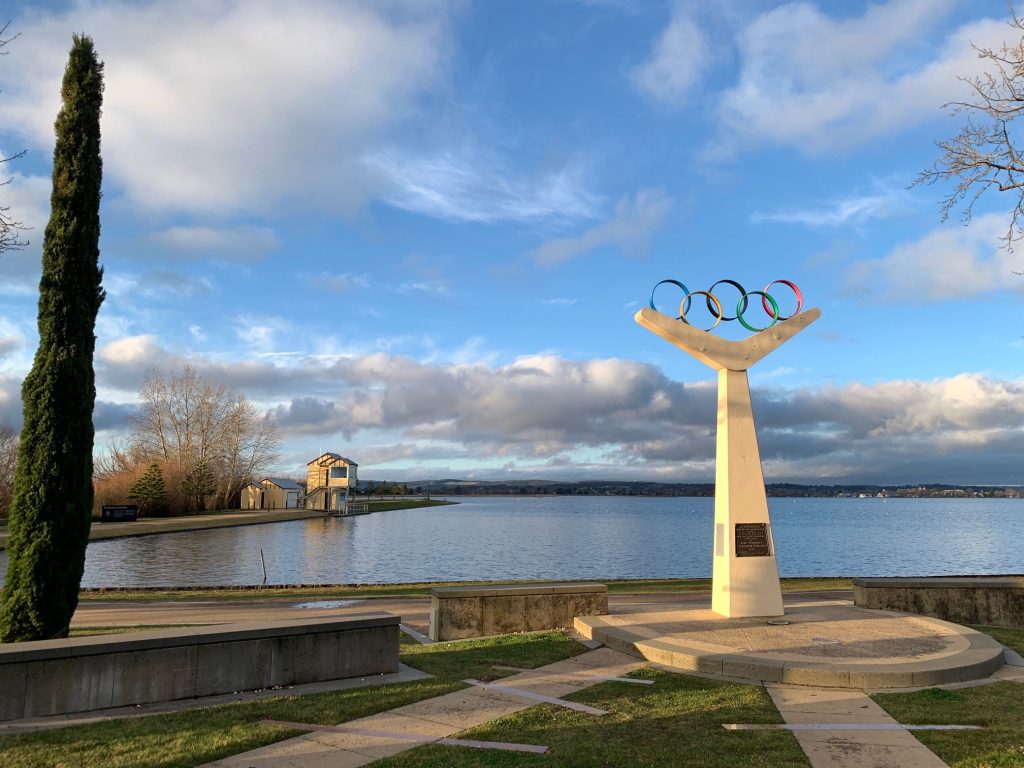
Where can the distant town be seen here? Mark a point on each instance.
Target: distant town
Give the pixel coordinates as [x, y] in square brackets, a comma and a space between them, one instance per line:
[448, 487]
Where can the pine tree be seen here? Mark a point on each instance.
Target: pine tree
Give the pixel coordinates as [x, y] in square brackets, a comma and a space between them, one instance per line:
[149, 490]
[52, 505]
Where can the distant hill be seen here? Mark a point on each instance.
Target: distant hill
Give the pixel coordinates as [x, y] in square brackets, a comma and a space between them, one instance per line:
[455, 487]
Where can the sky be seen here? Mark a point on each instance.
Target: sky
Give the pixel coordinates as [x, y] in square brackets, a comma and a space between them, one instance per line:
[416, 233]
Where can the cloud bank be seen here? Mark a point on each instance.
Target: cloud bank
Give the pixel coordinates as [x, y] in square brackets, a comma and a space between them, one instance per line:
[547, 415]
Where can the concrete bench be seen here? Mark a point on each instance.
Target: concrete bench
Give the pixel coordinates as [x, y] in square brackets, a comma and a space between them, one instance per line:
[55, 677]
[460, 612]
[993, 600]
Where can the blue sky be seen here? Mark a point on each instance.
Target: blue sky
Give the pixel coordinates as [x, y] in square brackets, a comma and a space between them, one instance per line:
[416, 233]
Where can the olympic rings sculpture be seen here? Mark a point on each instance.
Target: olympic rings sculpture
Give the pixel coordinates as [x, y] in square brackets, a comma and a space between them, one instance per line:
[768, 302]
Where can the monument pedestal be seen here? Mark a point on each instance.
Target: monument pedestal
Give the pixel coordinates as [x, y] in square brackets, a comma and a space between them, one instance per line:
[745, 579]
[745, 576]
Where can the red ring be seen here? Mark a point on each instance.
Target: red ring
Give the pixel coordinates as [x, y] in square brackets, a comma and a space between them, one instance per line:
[796, 291]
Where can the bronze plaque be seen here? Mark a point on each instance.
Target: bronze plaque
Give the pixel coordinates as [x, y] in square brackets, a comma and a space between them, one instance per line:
[752, 540]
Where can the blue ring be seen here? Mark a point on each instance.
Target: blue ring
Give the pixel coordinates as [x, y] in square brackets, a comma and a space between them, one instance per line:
[686, 296]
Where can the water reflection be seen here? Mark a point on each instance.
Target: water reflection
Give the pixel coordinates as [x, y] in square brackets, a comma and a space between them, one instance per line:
[572, 538]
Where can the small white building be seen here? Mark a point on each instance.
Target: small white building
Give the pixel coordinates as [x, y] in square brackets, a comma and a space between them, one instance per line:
[271, 493]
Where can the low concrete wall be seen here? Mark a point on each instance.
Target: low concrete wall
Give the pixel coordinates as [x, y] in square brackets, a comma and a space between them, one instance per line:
[460, 612]
[53, 677]
[994, 600]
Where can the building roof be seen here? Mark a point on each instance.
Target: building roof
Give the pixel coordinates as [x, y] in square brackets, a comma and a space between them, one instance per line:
[281, 482]
[334, 456]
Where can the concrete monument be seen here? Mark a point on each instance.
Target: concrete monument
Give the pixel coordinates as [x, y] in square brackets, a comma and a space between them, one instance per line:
[745, 574]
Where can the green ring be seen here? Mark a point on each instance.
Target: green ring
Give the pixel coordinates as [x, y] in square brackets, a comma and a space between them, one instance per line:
[748, 326]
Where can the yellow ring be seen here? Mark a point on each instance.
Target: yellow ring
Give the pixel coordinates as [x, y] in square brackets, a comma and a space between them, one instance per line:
[712, 297]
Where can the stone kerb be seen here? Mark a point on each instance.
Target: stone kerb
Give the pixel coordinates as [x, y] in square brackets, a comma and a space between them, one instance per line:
[993, 600]
[55, 677]
[461, 612]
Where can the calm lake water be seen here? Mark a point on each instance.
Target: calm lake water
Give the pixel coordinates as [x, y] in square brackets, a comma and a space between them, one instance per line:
[573, 537]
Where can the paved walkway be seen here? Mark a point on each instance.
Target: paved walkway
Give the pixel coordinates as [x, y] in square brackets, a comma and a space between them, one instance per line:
[869, 748]
[362, 741]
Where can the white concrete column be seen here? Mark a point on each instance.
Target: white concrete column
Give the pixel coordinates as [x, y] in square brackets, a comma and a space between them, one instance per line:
[745, 577]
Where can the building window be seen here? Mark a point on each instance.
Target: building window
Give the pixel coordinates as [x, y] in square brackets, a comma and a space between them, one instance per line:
[339, 472]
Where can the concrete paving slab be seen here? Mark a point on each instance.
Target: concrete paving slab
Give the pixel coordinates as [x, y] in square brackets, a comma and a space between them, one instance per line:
[391, 722]
[826, 643]
[371, 747]
[300, 752]
[867, 748]
[462, 710]
[361, 741]
[843, 752]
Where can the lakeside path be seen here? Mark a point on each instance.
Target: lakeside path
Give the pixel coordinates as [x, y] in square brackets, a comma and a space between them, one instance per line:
[148, 526]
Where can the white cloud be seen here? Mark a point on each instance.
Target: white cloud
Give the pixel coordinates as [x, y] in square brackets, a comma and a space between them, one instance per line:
[617, 418]
[340, 283]
[29, 200]
[234, 244]
[437, 288]
[847, 211]
[677, 60]
[477, 185]
[235, 106]
[156, 283]
[950, 262]
[817, 83]
[10, 344]
[630, 229]
[142, 350]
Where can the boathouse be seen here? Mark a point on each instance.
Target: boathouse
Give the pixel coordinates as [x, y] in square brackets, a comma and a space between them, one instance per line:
[271, 493]
[329, 478]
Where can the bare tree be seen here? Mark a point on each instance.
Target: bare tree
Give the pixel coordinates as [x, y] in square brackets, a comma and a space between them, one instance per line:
[10, 227]
[8, 460]
[213, 437]
[985, 155]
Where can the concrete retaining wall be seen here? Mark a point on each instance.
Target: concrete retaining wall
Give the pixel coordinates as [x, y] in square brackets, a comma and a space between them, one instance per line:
[54, 677]
[460, 612]
[996, 601]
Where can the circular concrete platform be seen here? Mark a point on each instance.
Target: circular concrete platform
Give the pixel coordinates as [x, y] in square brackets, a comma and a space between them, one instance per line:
[829, 643]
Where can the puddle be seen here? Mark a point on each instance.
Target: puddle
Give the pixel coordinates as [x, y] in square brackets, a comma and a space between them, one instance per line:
[317, 604]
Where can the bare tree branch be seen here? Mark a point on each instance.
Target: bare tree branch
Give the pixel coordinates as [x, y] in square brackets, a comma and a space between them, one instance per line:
[10, 227]
[983, 155]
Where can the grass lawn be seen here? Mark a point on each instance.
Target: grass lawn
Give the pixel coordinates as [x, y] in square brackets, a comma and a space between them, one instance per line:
[630, 586]
[675, 722]
[999, 708]
[203, 735]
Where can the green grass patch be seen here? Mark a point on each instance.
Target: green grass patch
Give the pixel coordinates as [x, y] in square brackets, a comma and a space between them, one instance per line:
[997, 708]
[202, 735]
[475, 658]
[422, 589]
[1011, 637]
[191, 738]
[675, 722]
[387, 506]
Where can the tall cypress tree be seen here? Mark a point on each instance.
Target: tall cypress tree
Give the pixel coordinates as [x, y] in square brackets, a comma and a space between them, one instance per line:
[52, 506]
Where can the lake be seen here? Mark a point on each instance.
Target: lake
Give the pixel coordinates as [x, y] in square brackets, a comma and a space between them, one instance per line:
[572, 537]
